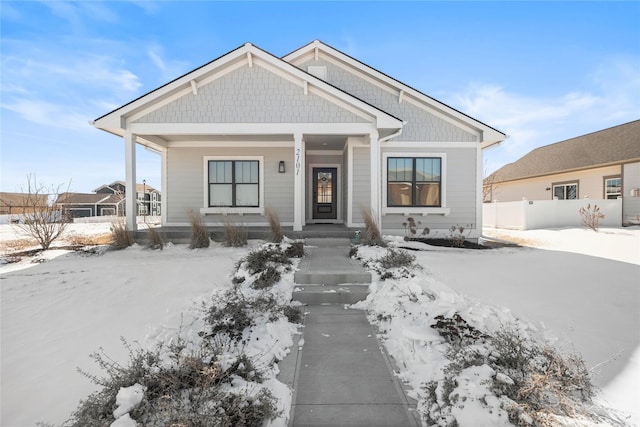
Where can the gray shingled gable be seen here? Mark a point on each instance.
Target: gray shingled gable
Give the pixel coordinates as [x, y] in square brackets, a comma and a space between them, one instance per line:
[617, 144]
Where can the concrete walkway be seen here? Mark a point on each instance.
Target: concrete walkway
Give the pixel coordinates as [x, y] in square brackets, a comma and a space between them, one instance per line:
[327, 262]
[339, 371]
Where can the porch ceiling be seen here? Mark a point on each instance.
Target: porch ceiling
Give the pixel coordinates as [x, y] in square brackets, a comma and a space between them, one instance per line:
[313, 142]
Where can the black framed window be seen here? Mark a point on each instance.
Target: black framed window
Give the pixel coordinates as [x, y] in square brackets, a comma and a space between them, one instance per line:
[234, 183]
[414, 181]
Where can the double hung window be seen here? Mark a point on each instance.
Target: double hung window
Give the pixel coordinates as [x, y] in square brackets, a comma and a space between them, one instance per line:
[234, 183]
[612, 187]
[414, 181]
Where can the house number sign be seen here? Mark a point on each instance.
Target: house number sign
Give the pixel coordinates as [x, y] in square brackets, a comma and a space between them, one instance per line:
[298, 151]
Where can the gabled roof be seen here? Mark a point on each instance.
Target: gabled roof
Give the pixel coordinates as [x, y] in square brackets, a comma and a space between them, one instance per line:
[88, 199]
[116, 121]
[140, 188]
[615, 145]
[490, 135]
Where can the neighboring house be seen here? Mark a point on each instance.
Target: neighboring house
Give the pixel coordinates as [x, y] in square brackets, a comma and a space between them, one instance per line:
[599, 165]
[109, 200]
[148, 199]
[81, 205]
[317, 136]
[21, 203]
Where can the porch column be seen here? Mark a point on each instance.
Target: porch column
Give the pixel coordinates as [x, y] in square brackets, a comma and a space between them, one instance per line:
[374, 153]
[130, 180]
[298, 182]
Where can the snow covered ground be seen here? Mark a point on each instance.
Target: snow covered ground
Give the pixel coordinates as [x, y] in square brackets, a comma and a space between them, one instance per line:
[56, 312]
[582, 292]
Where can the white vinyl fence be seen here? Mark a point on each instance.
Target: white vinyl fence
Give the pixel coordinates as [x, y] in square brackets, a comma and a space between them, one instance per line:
[534, 214]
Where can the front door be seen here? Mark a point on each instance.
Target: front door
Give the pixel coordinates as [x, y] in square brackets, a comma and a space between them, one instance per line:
[325, 194]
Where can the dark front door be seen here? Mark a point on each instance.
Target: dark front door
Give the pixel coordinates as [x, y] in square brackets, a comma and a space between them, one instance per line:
[325, 194]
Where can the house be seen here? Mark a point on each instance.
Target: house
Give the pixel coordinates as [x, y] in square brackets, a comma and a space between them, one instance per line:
[109, 200]
[22, 203]
[599, 165]
[317, 136]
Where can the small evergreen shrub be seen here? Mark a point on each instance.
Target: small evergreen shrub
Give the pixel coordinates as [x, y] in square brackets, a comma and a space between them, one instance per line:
[295, 250]
[234, 235]
[258, 260]
[199, 235]
[121, 237]
[396, 258]
[269, 277]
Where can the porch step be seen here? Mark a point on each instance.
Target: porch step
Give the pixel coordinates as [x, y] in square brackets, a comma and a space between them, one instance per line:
[331, 279]
[330, 294]
[327, 262]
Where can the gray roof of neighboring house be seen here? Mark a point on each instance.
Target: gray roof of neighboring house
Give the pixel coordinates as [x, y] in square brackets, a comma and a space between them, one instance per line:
[139, 187]
[618, 144]
[88, 198]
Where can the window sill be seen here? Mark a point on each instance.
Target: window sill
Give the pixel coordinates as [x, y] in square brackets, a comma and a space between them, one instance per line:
[417, 211]
[231, 211]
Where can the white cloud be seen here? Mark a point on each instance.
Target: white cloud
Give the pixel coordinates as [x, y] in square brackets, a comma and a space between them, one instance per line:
[169, 69]
[50, 114]
[532, 121]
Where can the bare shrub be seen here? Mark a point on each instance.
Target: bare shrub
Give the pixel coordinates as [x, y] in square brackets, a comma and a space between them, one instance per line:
[457, 236]
[591, 217]
[155, 240]
[199, 236]
[373, 236]
[234, 235]
[121, 236]
[411, 228]
[274, 223]
[396, 258]
[40, 217]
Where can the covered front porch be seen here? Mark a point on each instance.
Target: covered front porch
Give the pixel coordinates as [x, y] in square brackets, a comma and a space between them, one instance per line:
[182, 234]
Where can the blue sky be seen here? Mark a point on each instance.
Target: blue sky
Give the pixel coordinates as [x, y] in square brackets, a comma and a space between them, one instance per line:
[541, 72]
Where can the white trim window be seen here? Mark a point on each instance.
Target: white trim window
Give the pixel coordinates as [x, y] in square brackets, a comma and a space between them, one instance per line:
[414, 183]
[565, 191]
[233, 184]
[612, 187]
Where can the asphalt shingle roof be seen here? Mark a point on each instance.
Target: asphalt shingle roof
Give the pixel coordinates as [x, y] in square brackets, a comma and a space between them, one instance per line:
[617, 144]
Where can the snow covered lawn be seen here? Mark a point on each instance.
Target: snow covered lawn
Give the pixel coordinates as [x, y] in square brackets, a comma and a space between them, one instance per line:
[56, 313]
[583, 303]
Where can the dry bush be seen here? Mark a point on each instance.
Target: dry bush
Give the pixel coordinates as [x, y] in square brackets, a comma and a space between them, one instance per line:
[274, 223]
[121, 236]
[102, 239]
[234, 235]
[591, 217]
[155, 240]
[373, 236]
[199, 236]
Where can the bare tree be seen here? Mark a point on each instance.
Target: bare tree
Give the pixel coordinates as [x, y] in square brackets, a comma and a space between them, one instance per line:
[41, 218]
[489, 186]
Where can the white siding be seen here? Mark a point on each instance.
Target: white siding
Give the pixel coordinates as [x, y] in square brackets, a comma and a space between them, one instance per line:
[185, 173]
[361, 183]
